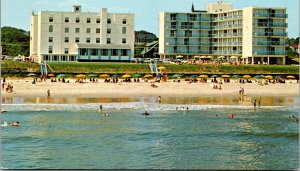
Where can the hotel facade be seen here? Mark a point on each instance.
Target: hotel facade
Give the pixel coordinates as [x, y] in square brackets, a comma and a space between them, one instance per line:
[254, 35]
[81, 36]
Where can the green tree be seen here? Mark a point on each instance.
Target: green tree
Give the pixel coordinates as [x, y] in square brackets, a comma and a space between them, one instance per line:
[14, 41]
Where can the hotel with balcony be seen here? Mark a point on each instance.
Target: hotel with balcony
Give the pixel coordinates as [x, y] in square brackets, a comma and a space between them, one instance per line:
[81, 36]
[252, 34]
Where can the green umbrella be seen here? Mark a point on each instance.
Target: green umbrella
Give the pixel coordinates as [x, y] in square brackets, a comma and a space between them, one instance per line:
[137, 76]
[259, 76]
[61, 75]
[214, 76]
[176, 76]
[92, 75]
[236, 76]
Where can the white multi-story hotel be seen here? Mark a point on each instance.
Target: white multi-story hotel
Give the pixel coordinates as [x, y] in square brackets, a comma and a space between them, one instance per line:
[252, 34]
[82, 36]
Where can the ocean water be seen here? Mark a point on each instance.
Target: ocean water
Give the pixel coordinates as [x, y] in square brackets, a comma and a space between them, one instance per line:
[78, 136]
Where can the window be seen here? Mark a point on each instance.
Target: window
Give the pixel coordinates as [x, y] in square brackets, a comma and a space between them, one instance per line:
[94, 52]
[88, 30]
[51, 28]
[50, 49]
[98, 20]
[50, 19]
[97, 40]
[124, 30]
[108, 41]
[88, 20]
[108, 21]
[77, 39]
[66, 50]
[124, 21]
[124, 41]
[104, 52]
[77, 20]
[77, 30]
[88, 40]
[83, 52]
[114, 52]
[108, 31]
[97, 30]
[66, 39]
[124, 52]
[66, 29]
[50, 39]
[66, 19]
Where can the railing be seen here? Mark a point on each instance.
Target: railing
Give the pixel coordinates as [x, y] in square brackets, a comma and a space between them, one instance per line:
[268, 43]
[187, 27]
[268, 53]
[270, 15]
[190, 51]
[227, 43]
[228, 26]
[266, 24]
[227, 52]
[228, 18]
[269, 34]
[188, 44]
[199, 19]
[187, 35]
[227, 35]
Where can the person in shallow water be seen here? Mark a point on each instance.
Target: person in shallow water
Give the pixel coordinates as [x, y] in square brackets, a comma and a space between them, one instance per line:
[231, 116]
[145, 113]
[15, 124]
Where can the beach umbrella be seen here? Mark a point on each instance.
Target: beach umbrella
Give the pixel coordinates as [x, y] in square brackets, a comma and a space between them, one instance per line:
[126, 76]
[225, 76]
[176, 76]
[92, 75]
[296, 59]
[104, 75]
[290, 77]
[148, 76]
[196, 56]
[236, 76]
[214, 76]
[179, 56]
[203, 76]
[80, 75]
[193, 76]
[278, 77]
[51, 75]
[136, 76]
[31, 74]
[233, 57]
[115, 75]
[259, 76]
[202, 57]
[61, 75]
[209, 57]
[221, 57]
[247, 76]
[269, 77]
[161, 68]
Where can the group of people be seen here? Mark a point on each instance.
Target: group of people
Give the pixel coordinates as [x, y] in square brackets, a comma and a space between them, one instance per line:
[241, 91]
[215, 86]
[9, 88]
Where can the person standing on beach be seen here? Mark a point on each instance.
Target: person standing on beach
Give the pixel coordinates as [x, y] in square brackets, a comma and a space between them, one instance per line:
[259, 103]
[48, 92]
[159, 99]
[254, 104]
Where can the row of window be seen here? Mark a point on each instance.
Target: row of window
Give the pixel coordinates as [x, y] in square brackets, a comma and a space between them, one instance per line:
[88, 20]
[88, 40]
[88, 30]
[104, 52]
[94, 52]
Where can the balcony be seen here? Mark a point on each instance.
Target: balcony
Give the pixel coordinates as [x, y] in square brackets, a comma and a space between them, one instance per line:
[229, 52]
[268, 53]
[188, 35]
[266, 24]
[227, 43]
[268, 43]
[227, 35]
[188, 44]
[197, 19]
[190, 51]
[269, 34]
[188, 27]
[269, 15]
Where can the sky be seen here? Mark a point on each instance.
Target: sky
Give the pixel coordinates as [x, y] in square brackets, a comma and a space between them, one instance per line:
[16, 13]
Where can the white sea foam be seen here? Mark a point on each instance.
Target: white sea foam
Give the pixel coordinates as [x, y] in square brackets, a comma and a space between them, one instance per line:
[123, 106]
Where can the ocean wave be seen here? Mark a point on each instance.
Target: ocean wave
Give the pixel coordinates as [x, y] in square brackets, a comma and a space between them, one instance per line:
[132, 105]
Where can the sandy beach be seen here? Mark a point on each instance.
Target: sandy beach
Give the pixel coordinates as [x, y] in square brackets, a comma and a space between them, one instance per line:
[25, 88]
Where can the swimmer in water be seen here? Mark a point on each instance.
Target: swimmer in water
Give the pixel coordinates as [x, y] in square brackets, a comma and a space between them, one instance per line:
[231, 116]
[106, 114]
[15, 124]
[145, 113]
